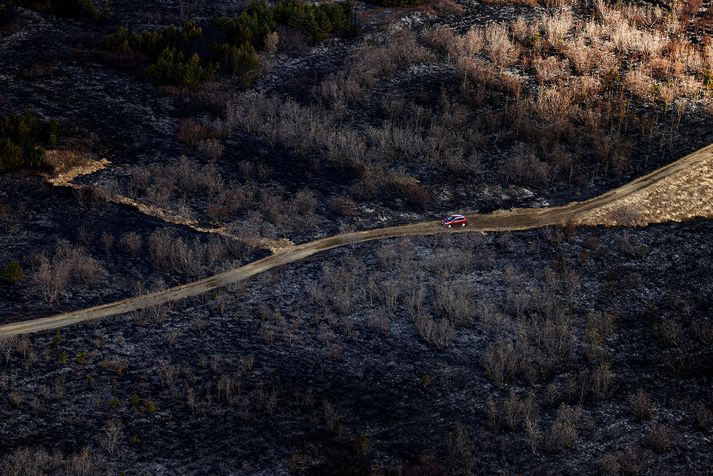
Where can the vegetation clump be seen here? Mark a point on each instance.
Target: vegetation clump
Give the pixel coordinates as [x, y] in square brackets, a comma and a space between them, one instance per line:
[23, 139]
[228, 45]
[12, 273]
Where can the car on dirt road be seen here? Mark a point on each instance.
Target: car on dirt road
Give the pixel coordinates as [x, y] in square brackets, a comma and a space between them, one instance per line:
[454, 220]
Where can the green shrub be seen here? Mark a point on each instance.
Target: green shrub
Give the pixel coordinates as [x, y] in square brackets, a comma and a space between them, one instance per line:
[12, 273]
[171, 69]
[231, 42]
[81, 359]
[56, 339]
[238, 61]
[23, 139]
[152, 43]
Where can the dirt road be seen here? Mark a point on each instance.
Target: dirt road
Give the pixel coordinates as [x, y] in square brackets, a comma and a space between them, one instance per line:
[503, 220]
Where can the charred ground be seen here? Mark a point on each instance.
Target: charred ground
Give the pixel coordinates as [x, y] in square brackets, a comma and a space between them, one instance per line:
[553, 351]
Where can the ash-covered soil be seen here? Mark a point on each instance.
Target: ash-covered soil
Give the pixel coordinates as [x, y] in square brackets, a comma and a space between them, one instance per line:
[331, 366]
[553, 351]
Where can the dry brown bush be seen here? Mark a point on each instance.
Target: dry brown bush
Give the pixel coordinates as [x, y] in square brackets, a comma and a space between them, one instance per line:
[702, 417]
[525, 168]
[501, 50]
[500, 361]
[562, 433]
[550, 69]
[343, 205]
[439, 333]
[579, 55]
[441, 38]
[191, 132]
[660, 437]
[460, 448]
[211, 148]
[640, 405]
[53, 275]
[557, 26]
[635, 460]
[131, 243]
[160, 248]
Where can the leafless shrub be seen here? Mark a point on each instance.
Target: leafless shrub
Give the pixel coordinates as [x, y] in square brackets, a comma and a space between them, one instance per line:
[23, 346]
[118, 366]
[191, 132]
[640, 405]
[211, 148]
[702, 417]
[291, 40]
[514, 412]
[609, 465]
[525, 168]
[460, 448]
[441, 38]
[160, 248]
[454, 304]
[600, 381]
[35, 462]
[660, 438]
[557, 26]
[385, 292]
[112, 435]
[341, 286]
[529, 3]
[562, 433]
[107, 241]
[439, 333]
[549, 69]
[52, 276]
[7, 344]
[500, 361]
[379, 321]
[670, 332]
[343, 205]
[500, 49]
[331, 418]
[704, 331]
[131, 243]
[599, 328]
[635, 460]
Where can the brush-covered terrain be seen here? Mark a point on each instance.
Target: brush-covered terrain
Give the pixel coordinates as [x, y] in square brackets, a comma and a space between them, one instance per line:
[148, 144]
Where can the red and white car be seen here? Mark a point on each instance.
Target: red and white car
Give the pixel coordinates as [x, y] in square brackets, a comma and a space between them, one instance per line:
[454, 220]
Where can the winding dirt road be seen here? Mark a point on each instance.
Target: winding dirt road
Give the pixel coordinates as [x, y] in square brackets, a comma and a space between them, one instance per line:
[503, 220]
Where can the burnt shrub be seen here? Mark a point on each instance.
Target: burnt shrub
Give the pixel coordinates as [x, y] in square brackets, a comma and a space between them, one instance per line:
[82, 9]
[640, 405]
[660, 438]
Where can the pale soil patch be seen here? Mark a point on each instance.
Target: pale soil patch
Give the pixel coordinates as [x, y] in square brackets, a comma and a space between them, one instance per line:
[67, 165]
[683, 195]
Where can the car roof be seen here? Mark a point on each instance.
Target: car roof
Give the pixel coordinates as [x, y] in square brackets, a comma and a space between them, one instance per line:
[456, 216]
